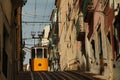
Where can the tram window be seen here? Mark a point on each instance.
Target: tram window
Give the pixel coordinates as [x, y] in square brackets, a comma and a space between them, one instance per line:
[33, 53]
[39, 53]
[45, 53]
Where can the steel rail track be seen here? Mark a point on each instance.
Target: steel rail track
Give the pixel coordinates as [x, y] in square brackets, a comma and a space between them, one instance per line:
[47, 75]
[66, 77]
[41, 77]
[60, 75]
[56, 77]
[73, 76]
[76, 73]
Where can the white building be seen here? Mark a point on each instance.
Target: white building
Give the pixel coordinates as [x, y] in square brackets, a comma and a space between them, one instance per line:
[45, 40]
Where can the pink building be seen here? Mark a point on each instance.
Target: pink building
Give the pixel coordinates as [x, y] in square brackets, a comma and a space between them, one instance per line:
[99, 37]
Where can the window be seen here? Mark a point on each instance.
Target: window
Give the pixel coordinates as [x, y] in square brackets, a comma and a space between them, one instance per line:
[101, 50]
[108, 36]
[100, 42]
[93, 47]
[67, 22]
[69, 11]
[5, 56]
[39, 53]
[33, 53]
[45, 53]
[116, 46]
[4, 63]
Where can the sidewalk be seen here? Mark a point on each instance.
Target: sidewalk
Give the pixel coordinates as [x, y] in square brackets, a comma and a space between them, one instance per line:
[95, 76]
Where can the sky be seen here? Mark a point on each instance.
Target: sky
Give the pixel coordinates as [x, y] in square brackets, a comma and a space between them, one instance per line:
[35, 11]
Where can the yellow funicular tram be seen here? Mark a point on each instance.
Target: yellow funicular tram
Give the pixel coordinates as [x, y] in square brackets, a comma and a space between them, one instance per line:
[39, 60]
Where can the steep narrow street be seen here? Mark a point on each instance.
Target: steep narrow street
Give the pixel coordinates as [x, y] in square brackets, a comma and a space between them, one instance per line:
[64, 75]
[59, 39]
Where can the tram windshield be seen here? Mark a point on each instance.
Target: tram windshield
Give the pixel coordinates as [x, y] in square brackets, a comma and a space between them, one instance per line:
[39, 53]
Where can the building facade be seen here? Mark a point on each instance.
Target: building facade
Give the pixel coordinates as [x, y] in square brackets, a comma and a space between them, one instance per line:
[54, 57]
[9, 23]
[71, 34]
[117, 40]
[99, 18]
[87, 35]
